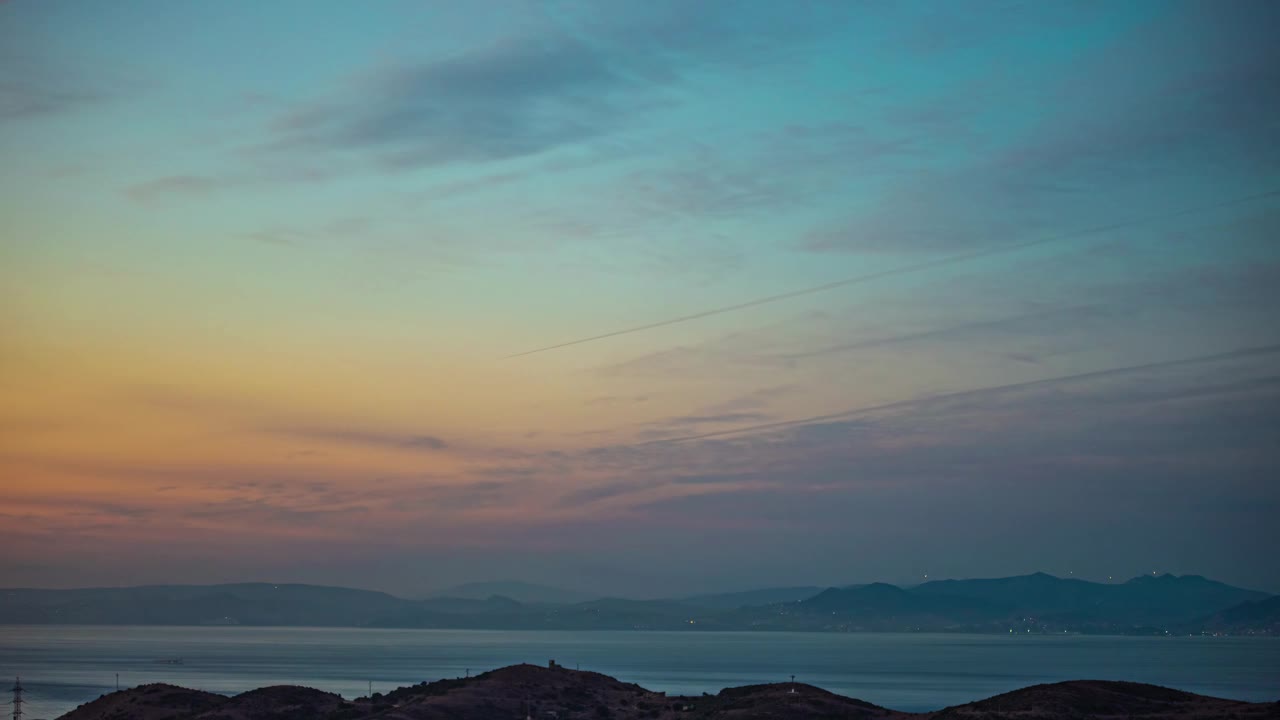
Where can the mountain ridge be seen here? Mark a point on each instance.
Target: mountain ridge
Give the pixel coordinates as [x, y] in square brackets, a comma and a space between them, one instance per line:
[1027, 603]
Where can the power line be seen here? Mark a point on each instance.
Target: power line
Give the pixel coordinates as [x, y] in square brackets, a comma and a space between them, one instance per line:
[848, 414]
[903, 270]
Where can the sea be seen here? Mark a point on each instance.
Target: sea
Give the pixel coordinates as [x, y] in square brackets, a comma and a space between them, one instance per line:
[64, 666]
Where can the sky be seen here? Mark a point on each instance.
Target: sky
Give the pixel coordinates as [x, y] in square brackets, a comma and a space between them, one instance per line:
[642, 297]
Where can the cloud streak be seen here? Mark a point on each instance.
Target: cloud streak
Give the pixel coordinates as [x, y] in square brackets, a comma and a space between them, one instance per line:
[391, 441]
[516, 97]
[32, 87]
[1024, 325]
[1263, 350]
[912, 268]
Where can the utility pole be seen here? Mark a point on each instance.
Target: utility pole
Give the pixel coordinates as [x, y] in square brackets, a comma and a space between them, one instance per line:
[17, 698]
[117, 682]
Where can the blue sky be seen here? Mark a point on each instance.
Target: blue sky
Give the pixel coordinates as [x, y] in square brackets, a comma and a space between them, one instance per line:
[265, 267]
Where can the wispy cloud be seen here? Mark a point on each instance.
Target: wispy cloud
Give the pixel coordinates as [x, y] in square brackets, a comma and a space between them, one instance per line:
[580, 74]
[682, 424]
[716, 419]
[25, 99]
[261, 417]
[1019, 244]
[1027, 325]
[393, 441]
[754, 400]
[1094, 427]
[33, 87]
[180, 185]
[514, 98]
[1183, 85]
[966, 396]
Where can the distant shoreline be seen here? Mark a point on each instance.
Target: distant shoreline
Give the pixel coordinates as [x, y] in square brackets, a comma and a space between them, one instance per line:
[673, 631]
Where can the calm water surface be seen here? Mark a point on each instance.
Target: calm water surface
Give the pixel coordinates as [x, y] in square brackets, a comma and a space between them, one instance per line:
[64, 666]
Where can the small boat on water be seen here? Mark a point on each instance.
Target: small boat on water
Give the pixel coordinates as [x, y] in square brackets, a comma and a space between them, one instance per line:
[171, 661]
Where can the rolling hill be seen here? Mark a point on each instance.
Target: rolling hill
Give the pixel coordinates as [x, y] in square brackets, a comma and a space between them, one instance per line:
[522, 691]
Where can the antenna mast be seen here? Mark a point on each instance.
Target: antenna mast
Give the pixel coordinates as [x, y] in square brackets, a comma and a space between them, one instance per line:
[17, 698]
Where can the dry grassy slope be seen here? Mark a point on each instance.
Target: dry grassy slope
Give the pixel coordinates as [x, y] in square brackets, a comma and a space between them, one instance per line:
[778, 701]
[512, 692]
[279, 702]
[147, 702]
[1104, 699]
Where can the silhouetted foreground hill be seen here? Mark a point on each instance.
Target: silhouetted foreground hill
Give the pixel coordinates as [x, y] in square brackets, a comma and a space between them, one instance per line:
[1104, 699]
[156, 701]
[522, 691]
[1036, 603]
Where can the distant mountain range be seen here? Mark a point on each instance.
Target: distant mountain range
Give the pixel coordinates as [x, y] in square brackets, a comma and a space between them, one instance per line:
[748, 598]
[1253, 618]
[1036, 603]
[519, 591]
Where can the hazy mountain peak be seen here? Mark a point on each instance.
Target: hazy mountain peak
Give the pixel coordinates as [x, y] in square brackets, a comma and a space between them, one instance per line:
[518, 590]
[1166, 578]
[881, 587]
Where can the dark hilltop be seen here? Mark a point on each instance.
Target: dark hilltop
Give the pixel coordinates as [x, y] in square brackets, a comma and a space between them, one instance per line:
[555, 692]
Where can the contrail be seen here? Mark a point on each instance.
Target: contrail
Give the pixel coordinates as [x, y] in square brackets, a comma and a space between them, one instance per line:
[903, 270]
[847, 414]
